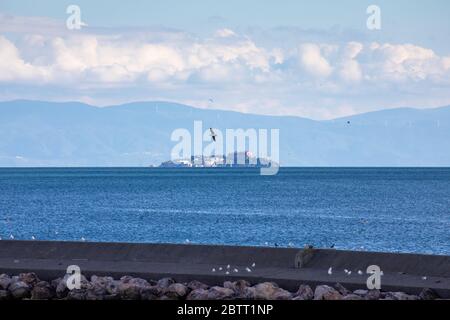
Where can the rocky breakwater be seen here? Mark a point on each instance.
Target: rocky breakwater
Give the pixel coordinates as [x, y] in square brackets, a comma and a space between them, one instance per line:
[29, 286]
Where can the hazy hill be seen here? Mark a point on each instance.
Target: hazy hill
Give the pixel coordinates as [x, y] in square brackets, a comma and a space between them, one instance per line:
[138, 134]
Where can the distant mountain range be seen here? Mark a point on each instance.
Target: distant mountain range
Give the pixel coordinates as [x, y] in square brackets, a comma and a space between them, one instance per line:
[35, 133]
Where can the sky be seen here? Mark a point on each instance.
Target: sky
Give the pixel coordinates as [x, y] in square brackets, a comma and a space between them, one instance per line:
[315, 59]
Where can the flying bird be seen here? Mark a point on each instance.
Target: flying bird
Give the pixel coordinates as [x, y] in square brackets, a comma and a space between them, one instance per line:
[330, 271]
[213, 134]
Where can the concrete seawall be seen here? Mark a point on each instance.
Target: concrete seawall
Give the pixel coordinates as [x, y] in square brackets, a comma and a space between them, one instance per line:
[402, 272]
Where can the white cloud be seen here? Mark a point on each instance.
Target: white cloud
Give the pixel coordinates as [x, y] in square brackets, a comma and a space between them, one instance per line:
[225, 33]
[313, 61]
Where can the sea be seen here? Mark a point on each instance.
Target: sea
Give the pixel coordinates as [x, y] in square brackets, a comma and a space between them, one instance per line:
[366, 209]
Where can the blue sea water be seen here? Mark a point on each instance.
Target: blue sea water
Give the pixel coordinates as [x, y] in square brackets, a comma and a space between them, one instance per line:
[375, 209]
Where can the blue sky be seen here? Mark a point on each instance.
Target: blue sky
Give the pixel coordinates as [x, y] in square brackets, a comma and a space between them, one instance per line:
[315, 59]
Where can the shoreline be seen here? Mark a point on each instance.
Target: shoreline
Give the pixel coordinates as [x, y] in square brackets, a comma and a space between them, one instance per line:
[404, 272]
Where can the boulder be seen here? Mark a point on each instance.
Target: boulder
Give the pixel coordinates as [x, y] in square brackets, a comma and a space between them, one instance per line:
[361, 292]
[77, 294]
[19, 290]
[341, 289]
[129, 291]
[325, 292]
[194, 285]
[428, 294]
[176, 291]
[198, 294]
[165, 282]
[304, 292]
[237, 286]
[130, 288]
[42, 291]
[270, 291]
[220, 293]
[373, 295]
[400, 296]
[248, 293]
[61, 285]
[5, 281]
[151, 293]
[29, 278]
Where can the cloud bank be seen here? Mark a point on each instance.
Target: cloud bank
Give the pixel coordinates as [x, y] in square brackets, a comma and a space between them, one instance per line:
[226, 70]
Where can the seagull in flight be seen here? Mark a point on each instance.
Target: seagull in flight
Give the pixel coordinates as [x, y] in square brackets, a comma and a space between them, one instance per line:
[213, 134]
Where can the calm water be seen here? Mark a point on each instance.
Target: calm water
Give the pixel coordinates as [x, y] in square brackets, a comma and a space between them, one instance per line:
[405, 210]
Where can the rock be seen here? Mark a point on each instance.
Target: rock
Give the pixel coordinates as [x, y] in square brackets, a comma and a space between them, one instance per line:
[42, 291]
[54, 283]
[237, 286]
[248, 293]
[281, 294]
[304, 292]
[176, 291]
[5, 281]
[165, 282]
[130, 288]
[428, 294]
[219, 293]
[4, 295]
[194, 285]
[151, 293]
[400, 296]
[341, 289]
[270, 291]
[77, 294]
[129, 291]
[325, 292]
[102, 287]
[361, 293]
[373, 295]
[61, 285]
[19, 290]
[97, 292]
[352, 296]
[29, 278]
[198, 294]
